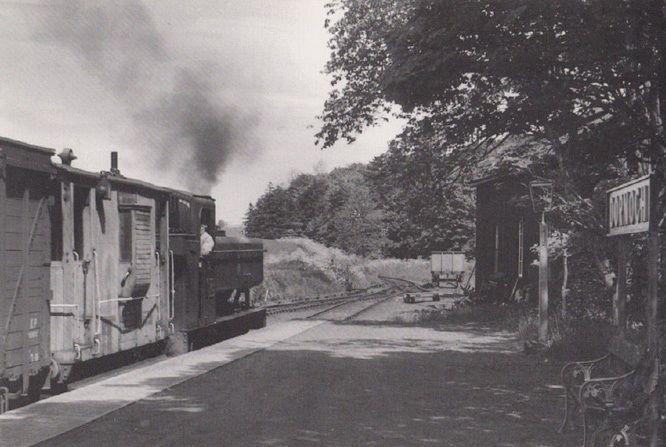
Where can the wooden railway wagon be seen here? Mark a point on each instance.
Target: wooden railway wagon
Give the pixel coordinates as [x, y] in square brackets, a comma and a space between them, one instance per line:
[109, 269]
[25, 179]
[95, 264]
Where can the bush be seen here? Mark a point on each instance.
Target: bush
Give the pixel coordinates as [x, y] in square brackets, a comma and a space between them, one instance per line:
[297, 268]
[570, 339]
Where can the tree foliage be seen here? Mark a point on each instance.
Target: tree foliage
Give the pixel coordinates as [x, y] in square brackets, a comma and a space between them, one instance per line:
[338, 209]
[423, 211]
[584, 80]
[396, 206]
[468, 72]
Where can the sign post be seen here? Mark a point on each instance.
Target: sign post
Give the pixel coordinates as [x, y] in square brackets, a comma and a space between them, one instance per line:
[631, 209]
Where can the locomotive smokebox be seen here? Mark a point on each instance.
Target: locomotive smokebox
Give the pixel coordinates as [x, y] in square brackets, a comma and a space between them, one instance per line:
[114, 163]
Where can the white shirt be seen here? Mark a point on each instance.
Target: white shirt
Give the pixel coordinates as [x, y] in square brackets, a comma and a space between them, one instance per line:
[207, 244]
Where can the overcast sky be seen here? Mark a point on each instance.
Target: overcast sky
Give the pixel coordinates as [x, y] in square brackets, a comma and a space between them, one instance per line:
[67, 81]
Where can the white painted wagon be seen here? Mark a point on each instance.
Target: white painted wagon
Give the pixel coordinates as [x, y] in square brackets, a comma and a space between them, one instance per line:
[447, 267]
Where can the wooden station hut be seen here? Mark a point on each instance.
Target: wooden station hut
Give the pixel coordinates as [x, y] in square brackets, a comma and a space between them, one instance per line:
[506, 228]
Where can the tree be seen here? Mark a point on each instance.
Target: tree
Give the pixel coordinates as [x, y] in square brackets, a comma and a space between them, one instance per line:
[423, 211]
[272, 216]
[586, 77]
[338, 209]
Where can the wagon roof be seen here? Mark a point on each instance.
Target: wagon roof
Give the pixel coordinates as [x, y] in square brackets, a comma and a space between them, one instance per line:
[113, 178]
[23, 145]
[26, 156]
[93, 177]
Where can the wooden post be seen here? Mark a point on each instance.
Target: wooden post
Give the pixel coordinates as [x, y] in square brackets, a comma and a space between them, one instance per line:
[565, 282]
[620, 298]
[543, 279]
[652, 309]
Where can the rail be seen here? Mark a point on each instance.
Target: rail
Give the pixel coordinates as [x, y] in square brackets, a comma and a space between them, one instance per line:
[403, 280]
[359, 295]
[304, 304]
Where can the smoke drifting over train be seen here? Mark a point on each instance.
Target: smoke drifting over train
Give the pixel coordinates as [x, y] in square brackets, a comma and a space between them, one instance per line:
[173, 103]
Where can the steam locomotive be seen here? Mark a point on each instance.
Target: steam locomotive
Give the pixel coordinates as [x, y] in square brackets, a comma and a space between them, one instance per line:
[96, 264]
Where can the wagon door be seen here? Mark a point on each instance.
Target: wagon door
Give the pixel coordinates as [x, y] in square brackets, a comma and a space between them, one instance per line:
[71, 275]
[26, 253]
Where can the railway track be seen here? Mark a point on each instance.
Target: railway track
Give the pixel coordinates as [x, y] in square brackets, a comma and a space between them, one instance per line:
[404, 282]
[365, 307]
[390, 286]
[336, 300]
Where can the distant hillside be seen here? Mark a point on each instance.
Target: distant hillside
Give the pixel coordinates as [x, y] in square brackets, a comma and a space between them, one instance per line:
[296, 268]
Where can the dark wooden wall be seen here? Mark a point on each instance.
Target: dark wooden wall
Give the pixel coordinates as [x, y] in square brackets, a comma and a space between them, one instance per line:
[501, 204]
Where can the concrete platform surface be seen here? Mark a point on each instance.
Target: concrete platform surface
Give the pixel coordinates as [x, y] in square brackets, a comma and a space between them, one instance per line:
[368, 381]
[56, 415]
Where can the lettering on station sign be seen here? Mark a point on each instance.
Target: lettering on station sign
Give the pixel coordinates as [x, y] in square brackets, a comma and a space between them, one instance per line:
[629, 207]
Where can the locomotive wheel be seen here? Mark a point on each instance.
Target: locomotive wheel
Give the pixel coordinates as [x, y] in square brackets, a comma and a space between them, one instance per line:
[178, 343]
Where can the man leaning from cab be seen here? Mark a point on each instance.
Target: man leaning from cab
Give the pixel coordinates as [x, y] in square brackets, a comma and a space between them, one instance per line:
[207, 242]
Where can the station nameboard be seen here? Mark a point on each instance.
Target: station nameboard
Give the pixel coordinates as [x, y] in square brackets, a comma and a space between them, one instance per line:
[630, 207]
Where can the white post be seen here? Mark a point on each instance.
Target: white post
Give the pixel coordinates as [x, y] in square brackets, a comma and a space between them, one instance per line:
[543, 279]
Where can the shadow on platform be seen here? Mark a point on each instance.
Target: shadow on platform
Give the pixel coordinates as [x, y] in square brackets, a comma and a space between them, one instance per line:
[352, 384]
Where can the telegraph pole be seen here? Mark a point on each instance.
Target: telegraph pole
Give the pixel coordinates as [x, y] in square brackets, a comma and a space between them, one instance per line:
[543, 279]
[541, 196]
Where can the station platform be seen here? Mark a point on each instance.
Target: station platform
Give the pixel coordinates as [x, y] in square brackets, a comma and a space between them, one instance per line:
[53, 416]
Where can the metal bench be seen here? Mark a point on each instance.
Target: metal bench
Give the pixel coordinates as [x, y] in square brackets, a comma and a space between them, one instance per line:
[620, 362]
[616, 406]
[612, 393]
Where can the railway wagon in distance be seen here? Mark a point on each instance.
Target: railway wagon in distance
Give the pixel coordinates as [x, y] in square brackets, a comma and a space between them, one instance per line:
[447, 266]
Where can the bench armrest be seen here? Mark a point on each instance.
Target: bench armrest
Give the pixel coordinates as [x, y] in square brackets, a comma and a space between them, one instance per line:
[581, 370]
[599, 392]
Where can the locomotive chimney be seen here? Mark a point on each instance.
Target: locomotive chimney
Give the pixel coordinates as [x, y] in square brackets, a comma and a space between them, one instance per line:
[114, 163]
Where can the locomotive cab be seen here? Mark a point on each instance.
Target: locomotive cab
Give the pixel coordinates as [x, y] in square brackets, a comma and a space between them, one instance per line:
[204, 284]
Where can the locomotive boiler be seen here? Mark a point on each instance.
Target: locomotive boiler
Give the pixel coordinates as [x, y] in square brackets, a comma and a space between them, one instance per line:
[96, 264]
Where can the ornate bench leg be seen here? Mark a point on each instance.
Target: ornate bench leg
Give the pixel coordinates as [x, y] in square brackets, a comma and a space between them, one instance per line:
[569, 402]
[584, 429]
[4, 400]
[593, 425]
[566, 413]
[601, 442]
[571, 409]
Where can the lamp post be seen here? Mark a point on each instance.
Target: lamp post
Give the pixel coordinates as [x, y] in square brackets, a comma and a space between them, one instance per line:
[541, 193]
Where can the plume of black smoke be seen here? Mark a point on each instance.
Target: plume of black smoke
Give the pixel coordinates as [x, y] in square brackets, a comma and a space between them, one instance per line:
[173, 106]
